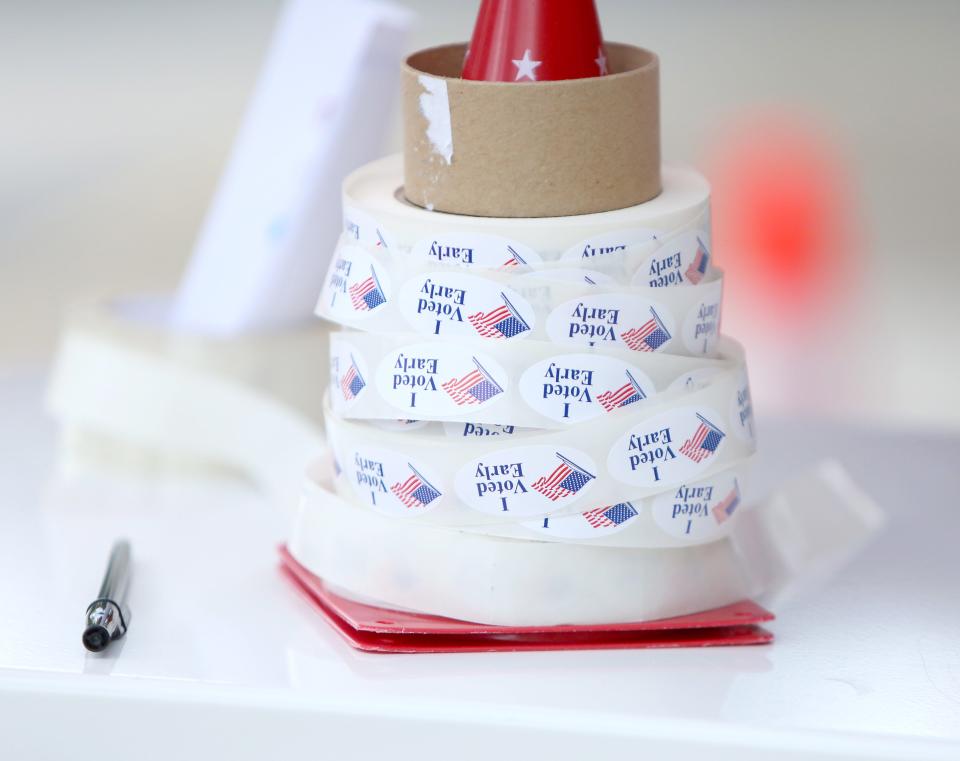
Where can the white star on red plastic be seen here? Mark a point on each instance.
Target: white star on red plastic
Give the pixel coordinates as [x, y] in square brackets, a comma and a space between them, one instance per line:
[526, 66]
[600, 60]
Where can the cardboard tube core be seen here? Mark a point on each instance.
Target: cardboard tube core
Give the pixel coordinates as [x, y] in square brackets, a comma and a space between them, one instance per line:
[531, 149]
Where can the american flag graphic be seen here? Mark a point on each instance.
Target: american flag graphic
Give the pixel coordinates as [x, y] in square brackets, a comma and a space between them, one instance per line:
[515, 259]
[723, 510]
[416, 491]
[367, 294]
[502, 322]
[610, 515]
[475, 387]
[566, 479]
[704, 441]
[352, 382]
[648, 337]
[628, 393]
[698, 267]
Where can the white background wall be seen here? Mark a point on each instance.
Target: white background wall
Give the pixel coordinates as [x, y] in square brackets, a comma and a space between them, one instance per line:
[116, 117]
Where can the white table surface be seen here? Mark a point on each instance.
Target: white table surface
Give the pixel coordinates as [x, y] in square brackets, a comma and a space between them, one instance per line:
[224, 660]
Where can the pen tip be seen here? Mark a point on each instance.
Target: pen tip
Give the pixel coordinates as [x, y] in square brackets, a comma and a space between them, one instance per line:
[95, 638]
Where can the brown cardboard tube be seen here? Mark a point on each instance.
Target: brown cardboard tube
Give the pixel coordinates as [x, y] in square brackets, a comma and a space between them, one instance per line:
[543, 149]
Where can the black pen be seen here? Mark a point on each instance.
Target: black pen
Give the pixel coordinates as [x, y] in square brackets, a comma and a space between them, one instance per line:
[107, 616]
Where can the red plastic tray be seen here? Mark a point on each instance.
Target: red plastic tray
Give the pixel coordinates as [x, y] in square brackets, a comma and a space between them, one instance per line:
[381, 630]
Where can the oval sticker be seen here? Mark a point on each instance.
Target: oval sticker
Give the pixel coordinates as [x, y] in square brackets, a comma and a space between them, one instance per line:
[698, 512]
[590, 524]
[612, 319]
[569, 388]
[391, 483]
[669, 448]
[356, 286]
[454, 303]
[525, 481]
[609, 243]
[477, 430]
[365, 230]
[478, 250]
[741, 411]
[433, 380]
[349, 376]
[681, 260]
[701, 330]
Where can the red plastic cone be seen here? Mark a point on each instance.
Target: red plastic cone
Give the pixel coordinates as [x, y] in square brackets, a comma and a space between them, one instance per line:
[535, 40]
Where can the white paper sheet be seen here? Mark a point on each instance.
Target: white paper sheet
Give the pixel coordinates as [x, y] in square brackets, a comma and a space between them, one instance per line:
[319, 110]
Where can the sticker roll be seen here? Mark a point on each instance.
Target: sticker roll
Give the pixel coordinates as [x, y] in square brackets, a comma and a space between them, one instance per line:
[376, 214]
[132, 391]
[381, 293]
[534, 384]
[504, 581]
[809, 526]
[512, 475]
[655, 259]
[684, 515]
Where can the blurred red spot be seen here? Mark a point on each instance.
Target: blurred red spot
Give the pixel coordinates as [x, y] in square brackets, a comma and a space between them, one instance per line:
[782, 219]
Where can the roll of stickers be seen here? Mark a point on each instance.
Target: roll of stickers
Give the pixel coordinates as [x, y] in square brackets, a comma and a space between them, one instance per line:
[376, 215]
[633, 451]
[386, 293]
[686, 515]
[129, 389]
[649, 455]
[533, 384]
[581, 372]
[522, 396]
[529, 490]
[808, 526]
[499, 580]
